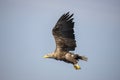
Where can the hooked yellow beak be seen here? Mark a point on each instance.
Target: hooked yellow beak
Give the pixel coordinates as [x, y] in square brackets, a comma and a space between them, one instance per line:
[45, 56]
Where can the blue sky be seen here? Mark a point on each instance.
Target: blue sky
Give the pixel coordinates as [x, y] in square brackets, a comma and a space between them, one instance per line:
[25, 36]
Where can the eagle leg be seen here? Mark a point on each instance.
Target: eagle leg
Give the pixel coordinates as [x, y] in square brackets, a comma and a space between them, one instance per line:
[77, 67]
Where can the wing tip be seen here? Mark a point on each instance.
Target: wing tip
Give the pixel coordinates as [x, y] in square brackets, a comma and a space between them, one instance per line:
[67, 17]
[68, 13]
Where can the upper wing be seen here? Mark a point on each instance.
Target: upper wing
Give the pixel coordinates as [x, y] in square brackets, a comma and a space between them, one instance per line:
[64, 34]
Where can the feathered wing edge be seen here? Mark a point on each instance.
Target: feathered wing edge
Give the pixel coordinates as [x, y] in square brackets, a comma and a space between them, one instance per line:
[63, 33]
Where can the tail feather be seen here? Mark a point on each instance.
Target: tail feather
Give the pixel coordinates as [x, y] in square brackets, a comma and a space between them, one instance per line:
[81, 57]
[84, 58]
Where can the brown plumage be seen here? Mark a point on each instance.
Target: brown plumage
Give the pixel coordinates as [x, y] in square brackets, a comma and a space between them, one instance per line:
[63, 33]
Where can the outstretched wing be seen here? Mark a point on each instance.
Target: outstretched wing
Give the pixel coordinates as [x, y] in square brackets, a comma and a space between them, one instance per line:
[64, 34]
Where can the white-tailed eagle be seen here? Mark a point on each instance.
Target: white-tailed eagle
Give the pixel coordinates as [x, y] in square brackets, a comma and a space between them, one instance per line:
[63, 33]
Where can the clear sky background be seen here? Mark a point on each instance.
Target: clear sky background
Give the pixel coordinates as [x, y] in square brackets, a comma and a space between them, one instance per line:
[25, 36]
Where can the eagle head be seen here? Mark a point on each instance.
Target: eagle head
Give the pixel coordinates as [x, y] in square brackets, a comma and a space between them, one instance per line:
[50, 55]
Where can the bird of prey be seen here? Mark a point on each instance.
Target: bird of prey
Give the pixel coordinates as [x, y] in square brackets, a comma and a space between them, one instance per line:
[63, 33]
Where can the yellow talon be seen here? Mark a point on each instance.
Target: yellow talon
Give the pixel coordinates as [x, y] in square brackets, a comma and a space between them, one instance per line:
[77, 67]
